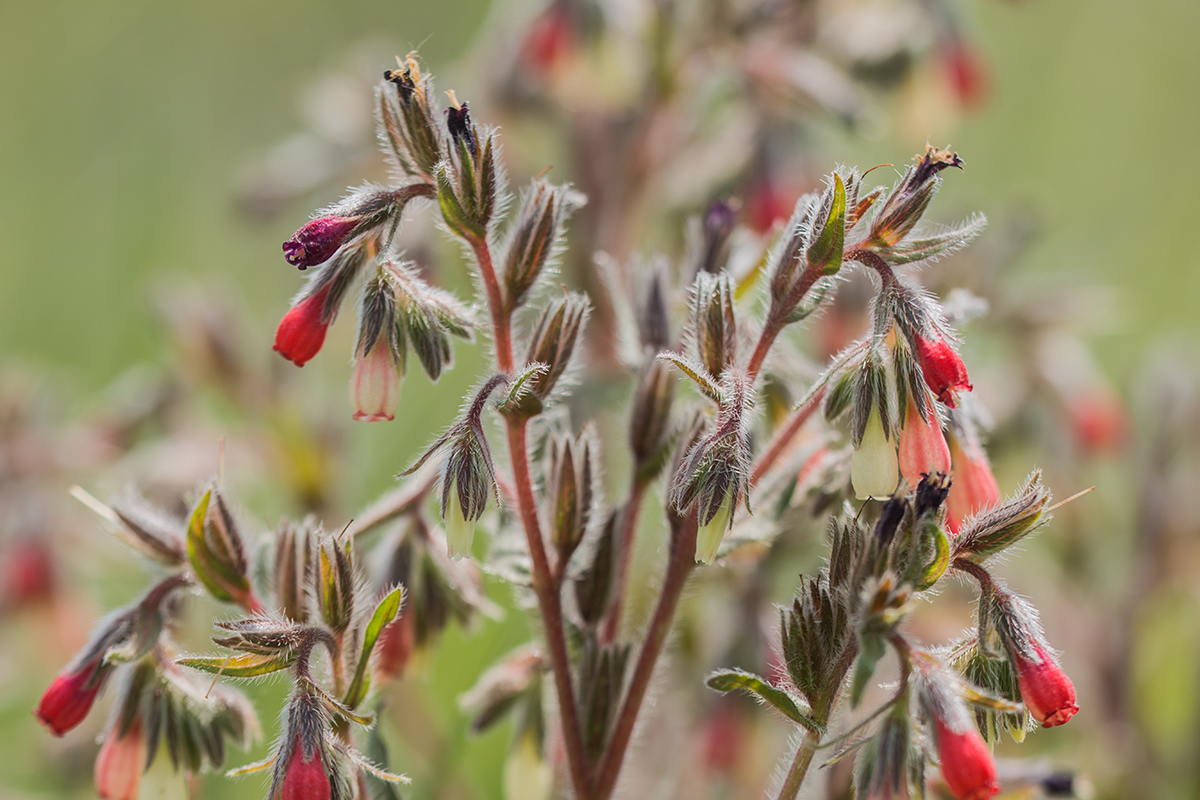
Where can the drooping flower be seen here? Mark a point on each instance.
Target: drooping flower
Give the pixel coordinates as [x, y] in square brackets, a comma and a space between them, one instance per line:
[302, 330]
[71, 695]
[1046, 690]
[923, 448]
[304, 775]
[120, 763]
[943, 369]
[967, 765]
[974, 487]
[375, 383]
[874, 466]
[317, 241]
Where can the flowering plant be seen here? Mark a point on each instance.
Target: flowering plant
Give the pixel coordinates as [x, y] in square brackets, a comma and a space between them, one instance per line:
[712, 428]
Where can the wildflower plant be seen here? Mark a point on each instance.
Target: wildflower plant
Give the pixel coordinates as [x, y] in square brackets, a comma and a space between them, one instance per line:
[910, 499]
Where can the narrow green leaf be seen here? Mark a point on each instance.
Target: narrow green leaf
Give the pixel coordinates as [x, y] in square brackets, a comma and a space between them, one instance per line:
[730, 679]
[826, 252]
[242, 665]
[697, 373]
[870, 650]
[385, 612]
[941, 560]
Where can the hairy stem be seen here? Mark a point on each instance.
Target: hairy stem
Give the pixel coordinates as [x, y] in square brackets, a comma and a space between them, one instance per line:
[544, 584]
[776, 320]
[799, 768]
[629, 520]
[783, 437]
[683, 559]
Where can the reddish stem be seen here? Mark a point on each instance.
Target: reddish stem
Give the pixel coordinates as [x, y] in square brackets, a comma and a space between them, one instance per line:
[776, 320]
[544, 584]
[629, 520]
[783, 437]
[683, 559]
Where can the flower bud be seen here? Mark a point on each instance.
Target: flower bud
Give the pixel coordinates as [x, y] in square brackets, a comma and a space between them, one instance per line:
[302, 765]
[717, 227]
[301, 332]
[1046, 690]
[71, 695]
[570, 491]
[923, 448]
[317, 240]
[713, 323]
[216, 553]
[650, 419]
[335, 582]
[375, 384]
[120, 763]
[553, 344]
[974, 487]
[967, 765]
[535, 237]
[943, 369]
[874, 465]
[460, 516]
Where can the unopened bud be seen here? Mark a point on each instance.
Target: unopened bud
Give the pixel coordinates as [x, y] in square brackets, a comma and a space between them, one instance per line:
[714, 326]
[553, 343]
[216, 553]
[407, 122]
[570, 491]
[718, 224]
[593, 589]
[906, 204]
[335, 582]
[1001, 526]
[536, 236]
[650, 418]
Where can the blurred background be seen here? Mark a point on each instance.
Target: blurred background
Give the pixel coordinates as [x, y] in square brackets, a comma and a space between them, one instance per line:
[153, 156]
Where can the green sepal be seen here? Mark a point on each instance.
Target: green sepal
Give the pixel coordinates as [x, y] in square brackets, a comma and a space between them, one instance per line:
[825, 253]
[385, 611]
[728, 680]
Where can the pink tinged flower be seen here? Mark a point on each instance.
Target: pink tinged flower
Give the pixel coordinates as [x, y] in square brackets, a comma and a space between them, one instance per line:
[70, 697]
[973, 487]
[301, 332]
[966, 71]
[375, 384]
[1046, 690]
[967, 765]
[923, 448]
[873, 466]
[120, 764]
[305, 778]
[318, 240]
[944, 371]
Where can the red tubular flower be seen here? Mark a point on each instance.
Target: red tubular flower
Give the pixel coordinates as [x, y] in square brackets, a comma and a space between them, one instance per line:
[305, 778]
[944, 371]
[923, 449]
[1048, 693]
[70, 697]
[375, 383]
[974, 487]
[120, 764]
[318, 240]
[967, 765]
[966, 71]
[301, 332]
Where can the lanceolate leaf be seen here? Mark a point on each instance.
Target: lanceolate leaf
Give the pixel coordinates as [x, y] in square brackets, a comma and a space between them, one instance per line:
[825, 252]
[385, 612]
[730, 679]
[243, 665]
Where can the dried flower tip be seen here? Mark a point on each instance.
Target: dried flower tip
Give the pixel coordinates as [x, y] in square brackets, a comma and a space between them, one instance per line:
[458, 123]
[406, 124]
[906, 204]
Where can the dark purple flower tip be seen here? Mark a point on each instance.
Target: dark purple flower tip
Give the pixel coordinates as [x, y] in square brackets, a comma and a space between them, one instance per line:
[318, 240]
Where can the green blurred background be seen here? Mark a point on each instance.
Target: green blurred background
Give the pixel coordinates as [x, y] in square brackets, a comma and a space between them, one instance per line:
[125, 127]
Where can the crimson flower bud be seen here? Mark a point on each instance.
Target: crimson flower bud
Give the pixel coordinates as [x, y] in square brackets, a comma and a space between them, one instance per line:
[317, 241]
[120, 763]
[71, 695]
[301, 332]
[966, 71]
[974, 487]
[1046, 690]
[375, 383]
[304, 777]
[967, 765]
[944, 371]
[923, 449]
